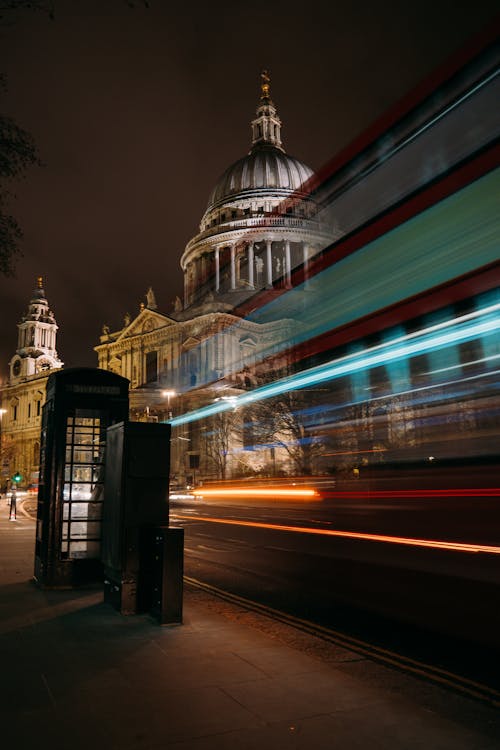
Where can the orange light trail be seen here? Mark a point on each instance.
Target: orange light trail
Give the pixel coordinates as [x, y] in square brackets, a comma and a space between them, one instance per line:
[267, 492]
[435, 544]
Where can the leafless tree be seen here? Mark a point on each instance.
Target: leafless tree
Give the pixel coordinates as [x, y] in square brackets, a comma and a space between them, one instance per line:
[282, 421]
[218, 437]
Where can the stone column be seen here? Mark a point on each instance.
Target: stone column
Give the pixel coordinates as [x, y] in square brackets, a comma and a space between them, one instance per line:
[142, 363]
[217, 270]
[133, 367]
[288, 268]
[190, 275]
[250, 264]
[305, 260]
[202, 269]
[233, 267]
[269, 264]
[193, 276]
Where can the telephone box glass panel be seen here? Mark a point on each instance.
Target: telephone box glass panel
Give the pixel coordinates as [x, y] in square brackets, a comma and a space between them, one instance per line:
[83, 485]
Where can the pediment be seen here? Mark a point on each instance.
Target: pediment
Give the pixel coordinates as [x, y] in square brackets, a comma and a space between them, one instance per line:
[190, 342]
[145, 322]
[248, 341]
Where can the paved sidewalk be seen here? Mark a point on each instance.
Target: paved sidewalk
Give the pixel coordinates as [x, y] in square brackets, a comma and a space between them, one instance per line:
[76, 674]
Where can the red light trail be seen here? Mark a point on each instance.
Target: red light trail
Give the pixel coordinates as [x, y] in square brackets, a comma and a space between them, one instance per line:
[454, 492]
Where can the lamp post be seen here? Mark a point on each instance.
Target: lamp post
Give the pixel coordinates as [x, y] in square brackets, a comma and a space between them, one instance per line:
[168, 395]
[2, 412]
[174, 452]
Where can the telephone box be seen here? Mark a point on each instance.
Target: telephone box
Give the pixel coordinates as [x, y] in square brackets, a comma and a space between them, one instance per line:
[80, 405]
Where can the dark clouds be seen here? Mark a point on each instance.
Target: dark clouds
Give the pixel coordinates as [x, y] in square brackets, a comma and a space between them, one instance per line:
[136, 112]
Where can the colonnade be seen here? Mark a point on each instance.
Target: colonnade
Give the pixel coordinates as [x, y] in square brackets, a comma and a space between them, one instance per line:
[35, 335]
[210, 268]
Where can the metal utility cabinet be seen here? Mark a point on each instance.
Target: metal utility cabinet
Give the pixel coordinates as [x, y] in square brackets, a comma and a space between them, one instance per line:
[135, 505]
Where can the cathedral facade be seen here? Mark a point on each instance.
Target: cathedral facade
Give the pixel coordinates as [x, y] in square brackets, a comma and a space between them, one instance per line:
[259, 225]
[23, 396]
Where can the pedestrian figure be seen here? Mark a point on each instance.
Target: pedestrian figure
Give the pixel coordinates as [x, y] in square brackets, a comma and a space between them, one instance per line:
[13, 504]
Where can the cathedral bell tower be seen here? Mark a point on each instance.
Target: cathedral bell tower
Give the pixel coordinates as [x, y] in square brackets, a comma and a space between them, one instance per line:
[36, 343]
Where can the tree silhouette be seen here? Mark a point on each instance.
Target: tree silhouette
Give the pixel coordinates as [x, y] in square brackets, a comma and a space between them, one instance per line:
[283, 421]
[219, 437]
[17, 153]
[17, 147]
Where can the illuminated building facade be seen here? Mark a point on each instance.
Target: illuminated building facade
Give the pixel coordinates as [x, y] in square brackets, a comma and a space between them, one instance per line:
[250, 239]
[395, 359]
[23, 396]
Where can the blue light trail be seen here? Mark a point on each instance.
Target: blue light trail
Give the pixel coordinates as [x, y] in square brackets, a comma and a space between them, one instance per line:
[483, 323]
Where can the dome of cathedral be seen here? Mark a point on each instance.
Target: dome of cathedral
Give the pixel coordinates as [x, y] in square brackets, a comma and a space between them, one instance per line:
[266, 171]
[266, 168]
[259, 225]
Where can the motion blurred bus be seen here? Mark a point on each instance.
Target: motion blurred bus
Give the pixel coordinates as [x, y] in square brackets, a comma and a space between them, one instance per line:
[395, 356]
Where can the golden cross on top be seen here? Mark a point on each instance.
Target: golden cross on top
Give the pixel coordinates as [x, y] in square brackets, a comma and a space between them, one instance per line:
[264, 86]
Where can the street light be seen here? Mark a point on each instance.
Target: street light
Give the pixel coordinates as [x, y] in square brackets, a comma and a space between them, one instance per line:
[168, 395]
[2, 412]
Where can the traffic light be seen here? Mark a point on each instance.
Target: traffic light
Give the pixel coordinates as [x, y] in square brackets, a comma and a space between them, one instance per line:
[17, 477]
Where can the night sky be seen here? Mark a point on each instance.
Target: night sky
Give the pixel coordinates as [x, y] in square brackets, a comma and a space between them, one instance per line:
[137, 111]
